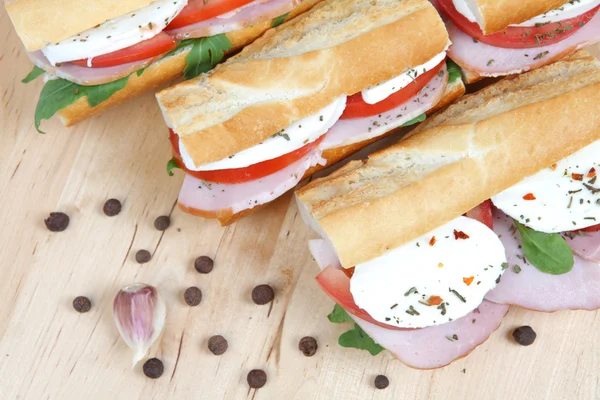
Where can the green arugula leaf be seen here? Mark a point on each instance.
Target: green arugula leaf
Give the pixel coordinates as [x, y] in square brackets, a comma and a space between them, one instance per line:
[171, 165]
[454, 71]
[205, 54]
[35, 72]
[548, 252]
[339, 315]
[140, 71]
[279, 20]
[60, 93]
[357, 339]
[416, 120]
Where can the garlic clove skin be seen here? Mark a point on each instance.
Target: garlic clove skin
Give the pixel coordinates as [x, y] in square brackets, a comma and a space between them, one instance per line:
[139, 312]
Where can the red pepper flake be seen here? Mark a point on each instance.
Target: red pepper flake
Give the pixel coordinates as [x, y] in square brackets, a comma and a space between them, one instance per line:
[529, 196]
[460, 235]
[434, 300]
[468, 280]
[592, 173]
[432, 241]
[577, 177]
[553, 167]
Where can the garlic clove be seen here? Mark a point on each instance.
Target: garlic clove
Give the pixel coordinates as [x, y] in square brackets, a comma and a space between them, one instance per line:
[139, 312]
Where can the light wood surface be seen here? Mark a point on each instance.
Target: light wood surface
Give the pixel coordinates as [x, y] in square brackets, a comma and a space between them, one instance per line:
[48, 351]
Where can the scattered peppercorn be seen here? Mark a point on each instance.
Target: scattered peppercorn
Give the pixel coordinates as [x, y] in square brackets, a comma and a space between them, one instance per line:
[154, 368]
[192, 296]
[204, 264]
[82, 304]
[262, 294]
[524, 335]
[217, 345]
[257, 378]
[308, 346]
[112, 207]
[381, 382]
[143, 256]
[162, 223]
[57, 222]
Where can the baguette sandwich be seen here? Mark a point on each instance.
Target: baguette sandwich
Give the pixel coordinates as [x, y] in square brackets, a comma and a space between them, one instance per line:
[305, 95]
[101, 53]
[495, 38]
[417, 255]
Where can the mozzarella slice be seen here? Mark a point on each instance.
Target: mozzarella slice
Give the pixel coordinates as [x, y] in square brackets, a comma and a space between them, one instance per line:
[432, 280]
[569, 10]
[117, 33]
[382, 91]
[295, 136]
[558, 199]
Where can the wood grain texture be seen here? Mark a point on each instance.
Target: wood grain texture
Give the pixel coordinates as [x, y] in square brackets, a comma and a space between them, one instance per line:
[48, 351]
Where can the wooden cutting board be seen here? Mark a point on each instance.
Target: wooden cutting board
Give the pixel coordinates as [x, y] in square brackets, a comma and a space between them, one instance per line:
[49, 351]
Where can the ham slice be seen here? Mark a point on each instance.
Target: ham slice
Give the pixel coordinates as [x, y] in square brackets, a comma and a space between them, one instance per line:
[487, 60]
[196, 194]
[535, 290]
[250, 14]
[431, 347]
[349, 131]
[88, 76]
[585, 245]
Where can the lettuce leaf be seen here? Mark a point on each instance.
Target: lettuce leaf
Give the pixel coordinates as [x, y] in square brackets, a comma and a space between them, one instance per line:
[415, 120]
[454, 71]
[279, 20]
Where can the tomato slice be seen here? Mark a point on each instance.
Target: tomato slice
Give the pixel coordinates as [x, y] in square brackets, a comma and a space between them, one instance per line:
[201, 10]
[336, 284]
[246, 174]
[519, 37]
[483, 214]
[593, 228]
[149, 48]
[357, 108]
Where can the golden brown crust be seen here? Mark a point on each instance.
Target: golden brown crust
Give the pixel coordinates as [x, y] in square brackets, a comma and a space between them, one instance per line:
[40, 22]
[163, 72]
[497, 15]
[507, 132]
[254, 95]
[333, 156]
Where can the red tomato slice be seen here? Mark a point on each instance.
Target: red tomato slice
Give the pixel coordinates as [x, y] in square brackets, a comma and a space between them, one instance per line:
[357, 108]
[246, 174]
[517, 37]
[483, 214]
[201, 10]
[152, 47]
[336, 284]
[593, 228]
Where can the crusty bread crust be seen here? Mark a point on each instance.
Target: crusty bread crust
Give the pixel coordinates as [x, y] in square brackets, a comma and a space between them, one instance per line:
[40, 22]
[497, 15]
[501, 135]
[333, 156]
[165, 71]
[283, 76]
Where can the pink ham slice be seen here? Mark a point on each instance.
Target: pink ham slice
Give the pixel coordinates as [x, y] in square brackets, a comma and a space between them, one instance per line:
[196, 194]
[535, 290]
[585, 245]
[88, 76]
[487, 60]
[251, 14]
[431, 347]
[349, 131]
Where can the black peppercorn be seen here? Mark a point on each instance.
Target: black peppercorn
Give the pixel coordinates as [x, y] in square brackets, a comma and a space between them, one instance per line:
[308, 346]
[153, 368]
[257, 378]
[262, 294]
[112, 207]
[82, 304]
[143, 256]
[217, 345]
[57, 222]
[204, 264]
[192, 296]
[381, 382]
[524, 335]
[162, 223]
